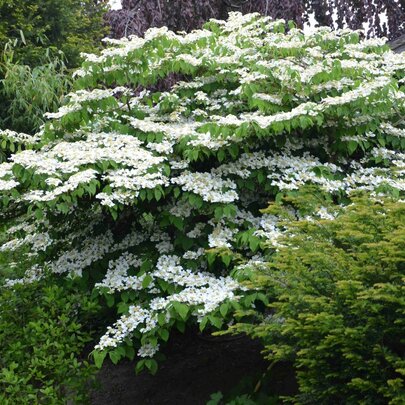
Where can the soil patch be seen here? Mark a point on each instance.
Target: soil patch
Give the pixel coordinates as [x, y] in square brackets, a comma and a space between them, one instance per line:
[195, 368]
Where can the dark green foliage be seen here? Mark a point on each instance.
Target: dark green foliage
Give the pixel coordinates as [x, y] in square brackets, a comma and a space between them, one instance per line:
[72, 26]
[43, 331]
[337, 305]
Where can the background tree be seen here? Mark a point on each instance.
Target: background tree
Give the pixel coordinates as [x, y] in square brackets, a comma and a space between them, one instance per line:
[39, 42]
[138, 15]
[72, 26]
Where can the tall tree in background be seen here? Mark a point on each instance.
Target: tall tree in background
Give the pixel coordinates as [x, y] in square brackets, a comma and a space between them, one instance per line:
[39, 41]
[72, 26]
[138, 15]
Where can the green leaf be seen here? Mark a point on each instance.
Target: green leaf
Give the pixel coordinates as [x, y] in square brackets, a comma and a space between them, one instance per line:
[139, 366]
[215, 399]
[122, 308]
[99, 358]
[223, 309]
[146, 281]
[181, 326]
[164, 334]
[352, 146]
[158, 194]
[211, 258]
[226, 259]
[203, 323]
[161, 319]
[221, 155]
[152, 365]
[181, 309]
[217, 322]
[63, 207]
[146, 266]
[254, 243]
[177, 222]
[92, 188]
[110, 300]
[176, 192]
[115, 356]
[130, 352]
[218, 213]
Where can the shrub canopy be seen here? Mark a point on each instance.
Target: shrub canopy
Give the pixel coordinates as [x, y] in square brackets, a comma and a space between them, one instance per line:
[154, 198]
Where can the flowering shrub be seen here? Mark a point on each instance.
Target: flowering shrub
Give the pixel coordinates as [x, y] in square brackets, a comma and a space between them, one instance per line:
[154, 198]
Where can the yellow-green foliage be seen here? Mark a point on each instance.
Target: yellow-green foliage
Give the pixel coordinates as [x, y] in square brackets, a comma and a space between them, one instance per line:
[337, 305]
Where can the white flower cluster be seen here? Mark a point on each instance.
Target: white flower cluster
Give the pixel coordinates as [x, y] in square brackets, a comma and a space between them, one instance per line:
[117, 279]
[123, 327]
[202, 291]
[210, 187]
[72, 157]
[221, 237]
[148, 350]
[19, 137]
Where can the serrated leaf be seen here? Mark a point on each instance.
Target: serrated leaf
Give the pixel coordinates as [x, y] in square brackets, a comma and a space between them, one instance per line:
[164, 334]
[139, 366]
[203, 323]
[146, 281]
[99, 358]
[130, 352]
[223, 309]
[181, 309]
[152, 365]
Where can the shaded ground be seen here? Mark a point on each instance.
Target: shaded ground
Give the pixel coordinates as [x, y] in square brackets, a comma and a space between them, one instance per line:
[195, 368]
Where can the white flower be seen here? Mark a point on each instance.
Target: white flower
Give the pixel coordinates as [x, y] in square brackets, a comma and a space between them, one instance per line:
[148, 350]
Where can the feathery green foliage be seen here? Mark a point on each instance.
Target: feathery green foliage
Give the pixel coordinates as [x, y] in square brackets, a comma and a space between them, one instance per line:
[337, 304]
[28, 93]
